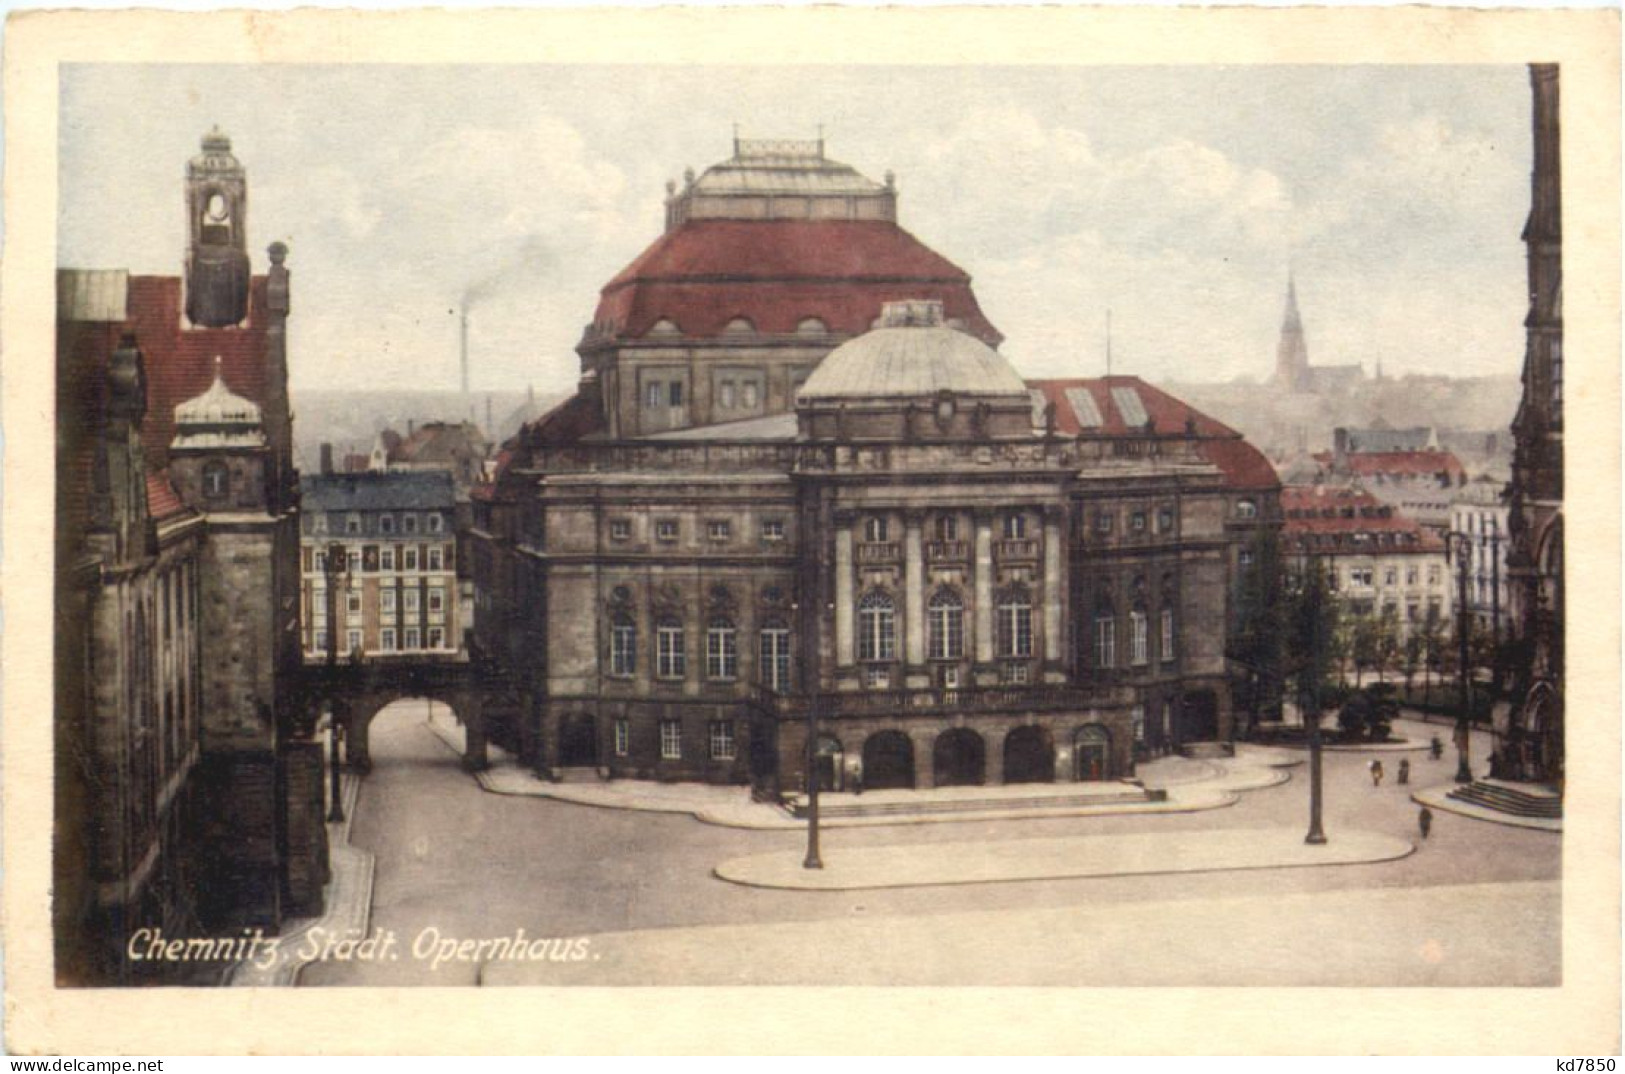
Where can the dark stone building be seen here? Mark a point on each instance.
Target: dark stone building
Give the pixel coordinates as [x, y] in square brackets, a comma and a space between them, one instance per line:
[797, 475]
[188, 788]
[1530, 747]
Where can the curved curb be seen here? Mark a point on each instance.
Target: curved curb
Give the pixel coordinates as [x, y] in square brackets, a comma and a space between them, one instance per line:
[1436, 798]
[781, 871]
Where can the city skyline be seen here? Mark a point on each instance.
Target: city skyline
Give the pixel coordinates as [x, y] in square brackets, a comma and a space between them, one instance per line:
[1184, 222]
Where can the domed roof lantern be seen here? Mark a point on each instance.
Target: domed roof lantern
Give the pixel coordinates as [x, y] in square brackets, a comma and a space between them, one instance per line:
[218, 418]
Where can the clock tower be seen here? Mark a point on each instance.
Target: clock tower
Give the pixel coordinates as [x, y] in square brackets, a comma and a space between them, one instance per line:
[217, 271]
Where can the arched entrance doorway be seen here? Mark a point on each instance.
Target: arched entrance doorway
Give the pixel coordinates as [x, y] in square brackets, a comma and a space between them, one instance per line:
[1029, 756]
[1092, 747]
[959, 759]
[830, 763]
[578, 741]
[888, 761]
[1201, 717]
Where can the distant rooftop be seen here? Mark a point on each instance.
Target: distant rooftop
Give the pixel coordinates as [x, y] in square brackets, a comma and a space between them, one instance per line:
[378, 491]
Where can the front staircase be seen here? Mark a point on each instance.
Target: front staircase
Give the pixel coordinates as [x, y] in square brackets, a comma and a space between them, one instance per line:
[1201, 750]
[915, 803]
[1518, 799]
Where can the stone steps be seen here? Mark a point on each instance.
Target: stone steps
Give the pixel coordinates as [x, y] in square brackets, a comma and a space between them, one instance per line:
[981, 804]
[1207, 749]
[1505, 799]
[582, 774]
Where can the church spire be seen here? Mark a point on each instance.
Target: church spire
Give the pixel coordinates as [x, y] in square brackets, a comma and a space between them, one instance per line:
[1292, 370]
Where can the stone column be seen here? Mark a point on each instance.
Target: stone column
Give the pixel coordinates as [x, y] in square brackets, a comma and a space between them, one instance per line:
[925, 771]
[845, 583]
[993, 753]
[984, 587]
[914, 592]
[1052, 588]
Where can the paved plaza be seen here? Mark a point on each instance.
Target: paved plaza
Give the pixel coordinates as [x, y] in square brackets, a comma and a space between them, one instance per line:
[471, 882]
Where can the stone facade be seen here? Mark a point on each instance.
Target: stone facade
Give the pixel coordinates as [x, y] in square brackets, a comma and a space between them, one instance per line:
[181, 737]
[1530, 746]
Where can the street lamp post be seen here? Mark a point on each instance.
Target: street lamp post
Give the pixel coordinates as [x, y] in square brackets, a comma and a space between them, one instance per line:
[337, 564]
[1461, 544]
[1317, 834]
[813, 861]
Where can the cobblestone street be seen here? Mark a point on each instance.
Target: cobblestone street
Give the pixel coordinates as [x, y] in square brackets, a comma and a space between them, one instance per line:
[1477, 903]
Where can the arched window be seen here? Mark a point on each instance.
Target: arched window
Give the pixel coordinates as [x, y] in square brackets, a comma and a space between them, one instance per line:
[1015, 622]
[877, 626]
[623, 645]
[775, 655]
[671, 658]
[721, 650]
[945, 625]
[1246, 509]
[215, 480]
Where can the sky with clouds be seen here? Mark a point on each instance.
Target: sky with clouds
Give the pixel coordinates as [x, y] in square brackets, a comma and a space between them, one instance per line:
[1178, 198]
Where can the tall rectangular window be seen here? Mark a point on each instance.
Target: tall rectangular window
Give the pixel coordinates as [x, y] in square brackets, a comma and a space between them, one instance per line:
[721, 650]
[386, 639]
[437, 638]
[386, 558]
[1137, 718]
[623, 647]
[623, 737]
[435, 558]
[1167, 648]
[1105, 642]
[386, 602]
[1139, 642]
[409, 558]
[722, 740]
[775, 657]
[671, 662]
[671, 740]
[411, 639]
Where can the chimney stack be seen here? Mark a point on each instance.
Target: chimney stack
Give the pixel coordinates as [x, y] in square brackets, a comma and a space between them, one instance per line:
[463, 351]
[327, 459]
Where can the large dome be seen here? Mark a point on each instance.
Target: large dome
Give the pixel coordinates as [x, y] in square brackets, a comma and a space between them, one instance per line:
[912, 354]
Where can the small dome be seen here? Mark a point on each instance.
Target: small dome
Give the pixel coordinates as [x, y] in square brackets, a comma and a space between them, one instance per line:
[218, 418]
[912, 354]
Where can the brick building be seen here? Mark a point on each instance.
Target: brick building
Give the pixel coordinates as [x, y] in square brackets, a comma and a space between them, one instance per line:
[797, 473]
[188, 789]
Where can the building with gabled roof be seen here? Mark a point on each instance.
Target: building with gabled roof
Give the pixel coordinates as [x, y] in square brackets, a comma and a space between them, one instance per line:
[188, 787]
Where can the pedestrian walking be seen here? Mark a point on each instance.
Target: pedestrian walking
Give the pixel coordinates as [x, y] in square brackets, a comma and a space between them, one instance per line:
[1436, 748]
[1404, 770]
[1376, 773]
[1424, 820]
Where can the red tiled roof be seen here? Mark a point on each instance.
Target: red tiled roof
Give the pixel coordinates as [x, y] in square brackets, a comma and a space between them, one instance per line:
[1340, 513]
[162, 499]
[1405, 464]
[1244, 466]
[180, 360]
[776, 273]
